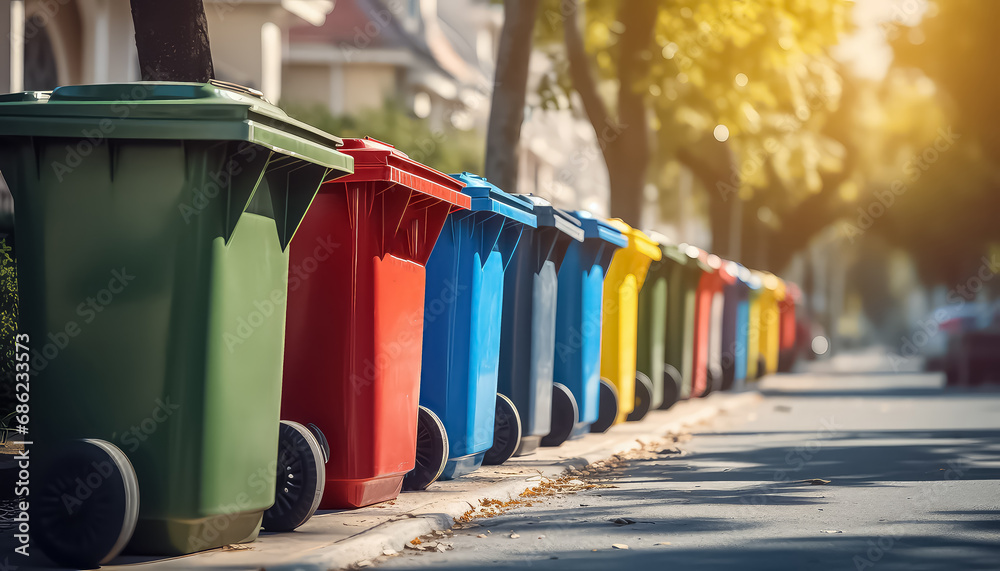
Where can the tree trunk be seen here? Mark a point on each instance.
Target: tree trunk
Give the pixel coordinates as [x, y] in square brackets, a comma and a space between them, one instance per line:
[507, 111]
[714, 164]
[172, 40]
[625, 141]
[630, 146]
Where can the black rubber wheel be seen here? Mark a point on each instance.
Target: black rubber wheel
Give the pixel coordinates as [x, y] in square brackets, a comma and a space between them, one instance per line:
[87, 505]
[607, 410]
[564, 415]
[643, 397]
[671, 386]
[432, 452]
[506, 432]
[324, 444]
[728, 378]
[713, 380]
[300, 478]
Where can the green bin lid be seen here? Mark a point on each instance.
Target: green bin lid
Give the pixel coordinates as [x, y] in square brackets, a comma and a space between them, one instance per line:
[164, 110]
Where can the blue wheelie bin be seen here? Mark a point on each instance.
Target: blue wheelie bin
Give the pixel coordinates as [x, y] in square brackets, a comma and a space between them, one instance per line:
[735, 319]
[528, 330]
[578, 322]
[461, 344]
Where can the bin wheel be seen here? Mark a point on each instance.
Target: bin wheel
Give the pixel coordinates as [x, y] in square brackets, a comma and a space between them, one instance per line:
[324, 444]
[643, 397]
[608, 408]
[728, 378]
[87, 506]
[564, 415]
[671, 386]
[301, 478]
[506, 432]
[432, 452]
[713, 378]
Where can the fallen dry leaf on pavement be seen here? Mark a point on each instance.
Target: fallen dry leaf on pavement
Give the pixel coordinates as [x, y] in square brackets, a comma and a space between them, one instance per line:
[619, 546]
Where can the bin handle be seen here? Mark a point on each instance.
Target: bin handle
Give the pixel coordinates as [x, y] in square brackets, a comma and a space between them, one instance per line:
[239, 89]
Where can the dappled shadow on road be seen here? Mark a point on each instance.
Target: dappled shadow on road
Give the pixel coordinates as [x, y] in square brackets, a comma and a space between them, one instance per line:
[879, 458]
[831, 553]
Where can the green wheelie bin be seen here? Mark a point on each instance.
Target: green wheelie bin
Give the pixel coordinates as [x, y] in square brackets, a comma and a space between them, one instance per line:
[152, 222]
[684, 270]
[652, 336]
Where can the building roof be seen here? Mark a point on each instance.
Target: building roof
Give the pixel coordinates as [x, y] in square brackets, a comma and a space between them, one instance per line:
[361, 24]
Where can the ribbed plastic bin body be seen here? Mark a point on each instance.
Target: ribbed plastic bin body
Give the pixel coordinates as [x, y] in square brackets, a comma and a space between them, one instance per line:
[579, 314]
[528, 336]
[682, 298]
[651, 339]
[462, 316]
[356, 314]
[736, 321]
[625, 278]
[152, 227]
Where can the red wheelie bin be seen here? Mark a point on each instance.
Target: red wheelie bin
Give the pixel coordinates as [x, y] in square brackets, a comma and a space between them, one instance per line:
[355, 317]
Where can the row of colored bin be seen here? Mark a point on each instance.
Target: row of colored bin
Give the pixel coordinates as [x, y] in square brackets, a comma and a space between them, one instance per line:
[419, 324]
[706, 324]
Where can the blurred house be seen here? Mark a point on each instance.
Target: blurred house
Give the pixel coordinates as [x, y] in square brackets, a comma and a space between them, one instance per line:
[434, 57]
[92, 41]
[62, 42]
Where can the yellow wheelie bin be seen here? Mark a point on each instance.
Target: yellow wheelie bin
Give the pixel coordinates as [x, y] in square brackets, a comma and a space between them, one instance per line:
[754, 371]
[618, 337]
[772, 292]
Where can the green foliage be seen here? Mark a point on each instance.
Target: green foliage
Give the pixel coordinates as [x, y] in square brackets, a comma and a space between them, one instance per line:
[759, 69]
[8, 324]
[447, 150]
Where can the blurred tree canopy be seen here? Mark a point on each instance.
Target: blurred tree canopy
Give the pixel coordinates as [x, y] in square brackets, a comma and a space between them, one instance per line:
[449, 150]
[740, 92]
[948, 216]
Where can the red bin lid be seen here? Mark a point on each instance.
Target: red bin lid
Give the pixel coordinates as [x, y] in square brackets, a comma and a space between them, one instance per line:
[378, 161]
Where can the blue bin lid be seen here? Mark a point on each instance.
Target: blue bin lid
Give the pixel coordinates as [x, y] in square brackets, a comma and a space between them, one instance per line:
[557, 218]
[594, 227]
[488, 197]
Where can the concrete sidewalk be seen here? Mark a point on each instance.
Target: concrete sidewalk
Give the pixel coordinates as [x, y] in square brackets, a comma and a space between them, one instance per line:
[338, 539]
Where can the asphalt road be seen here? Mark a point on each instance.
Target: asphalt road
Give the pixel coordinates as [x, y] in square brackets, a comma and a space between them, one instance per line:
[913, 484]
